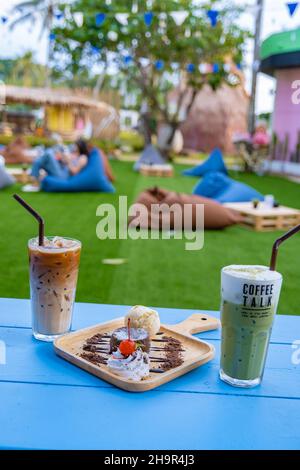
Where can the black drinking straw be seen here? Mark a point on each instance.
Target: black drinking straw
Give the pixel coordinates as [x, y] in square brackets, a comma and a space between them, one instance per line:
[277, 244]
[36, 215]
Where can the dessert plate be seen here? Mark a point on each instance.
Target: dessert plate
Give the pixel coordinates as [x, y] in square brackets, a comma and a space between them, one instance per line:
[194, 353]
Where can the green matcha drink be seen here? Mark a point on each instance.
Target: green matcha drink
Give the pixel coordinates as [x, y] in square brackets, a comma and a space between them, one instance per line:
[249, 301]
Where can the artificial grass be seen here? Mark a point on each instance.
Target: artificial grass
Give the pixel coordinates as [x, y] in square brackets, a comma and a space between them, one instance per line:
[157, 272]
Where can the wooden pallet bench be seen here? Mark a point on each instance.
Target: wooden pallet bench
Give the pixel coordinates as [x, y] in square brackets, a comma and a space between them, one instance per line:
[263, 219]
[157, 170]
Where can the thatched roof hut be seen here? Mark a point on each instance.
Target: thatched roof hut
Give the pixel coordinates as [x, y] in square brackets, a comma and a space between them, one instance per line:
[63, 107]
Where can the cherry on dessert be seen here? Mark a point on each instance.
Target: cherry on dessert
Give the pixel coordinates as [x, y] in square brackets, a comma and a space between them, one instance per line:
[127, 347]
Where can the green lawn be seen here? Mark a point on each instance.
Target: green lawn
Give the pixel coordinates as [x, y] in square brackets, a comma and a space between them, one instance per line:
[158, 273]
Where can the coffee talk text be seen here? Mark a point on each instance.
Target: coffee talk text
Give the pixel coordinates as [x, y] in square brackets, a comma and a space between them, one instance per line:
[257, 296]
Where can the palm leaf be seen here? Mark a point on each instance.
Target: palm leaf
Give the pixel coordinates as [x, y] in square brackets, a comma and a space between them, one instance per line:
[22, 19]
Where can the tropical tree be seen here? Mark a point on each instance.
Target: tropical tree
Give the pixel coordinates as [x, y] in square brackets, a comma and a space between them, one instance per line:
[22, 71]
[155, 49]
[39, 10]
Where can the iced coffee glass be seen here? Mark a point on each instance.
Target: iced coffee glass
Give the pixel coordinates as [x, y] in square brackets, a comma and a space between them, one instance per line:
[53, 279]
[250, 296]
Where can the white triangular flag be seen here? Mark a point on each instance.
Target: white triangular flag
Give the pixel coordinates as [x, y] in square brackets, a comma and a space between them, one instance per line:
[78, 18]
[179, 16]
[122, 18]
[144, 61]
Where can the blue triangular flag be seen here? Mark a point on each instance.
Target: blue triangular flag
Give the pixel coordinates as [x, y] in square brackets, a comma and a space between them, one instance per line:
[292, 7]
[4, 19]
[127, 59]
[95, 50]
[215, 68]
[59, 15]
[100, 18]
[190, 68]
[213, 16]
[52, 36]
[148, 17]
[159, 64]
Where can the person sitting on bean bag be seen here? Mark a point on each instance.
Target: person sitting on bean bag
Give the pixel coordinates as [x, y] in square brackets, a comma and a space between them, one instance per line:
[214, 162]
[85, 174]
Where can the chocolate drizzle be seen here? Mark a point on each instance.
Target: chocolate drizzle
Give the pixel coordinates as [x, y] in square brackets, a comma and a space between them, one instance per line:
[164, 356]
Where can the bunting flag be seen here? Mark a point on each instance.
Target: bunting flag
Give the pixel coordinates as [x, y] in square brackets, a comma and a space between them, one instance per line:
[78, 18]
[128, 59]
[202, 68]
[159, 64]
[95, 50]
[122, 18]
[179, 16]
[213, 17]
[59, 15]
[100, 18]
[292, 7]
[215, 68]
[190, 68]
[52, 37]
[144, 61]
[148, 18]
[4, 19]
[112, 35]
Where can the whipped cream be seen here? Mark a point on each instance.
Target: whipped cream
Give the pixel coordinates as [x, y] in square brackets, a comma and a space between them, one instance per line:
[236, 277]
[255, 272]
[133, 367]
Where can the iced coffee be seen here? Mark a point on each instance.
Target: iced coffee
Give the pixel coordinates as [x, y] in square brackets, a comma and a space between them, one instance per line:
[53, 279]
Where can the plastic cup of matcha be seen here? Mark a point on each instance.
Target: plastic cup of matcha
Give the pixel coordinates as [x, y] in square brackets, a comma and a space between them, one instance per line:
[249, 296]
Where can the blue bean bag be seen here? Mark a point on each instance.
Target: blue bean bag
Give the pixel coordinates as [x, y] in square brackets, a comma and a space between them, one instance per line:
[91, 178]
[214, 162]
[221, 188]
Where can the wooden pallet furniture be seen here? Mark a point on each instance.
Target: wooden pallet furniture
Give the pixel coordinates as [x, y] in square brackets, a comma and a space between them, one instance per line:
[263, 218]
[21, 176]
[157, 170]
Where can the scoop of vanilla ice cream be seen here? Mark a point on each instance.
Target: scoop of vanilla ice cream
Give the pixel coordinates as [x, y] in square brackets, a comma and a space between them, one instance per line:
[143, 317]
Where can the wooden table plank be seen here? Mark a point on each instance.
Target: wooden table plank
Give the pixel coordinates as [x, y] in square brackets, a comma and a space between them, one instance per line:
[32, 361]
[16, 313]
[47, 417]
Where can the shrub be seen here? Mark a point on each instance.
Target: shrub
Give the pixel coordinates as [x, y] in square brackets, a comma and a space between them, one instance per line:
[30, 139]
[131, 139]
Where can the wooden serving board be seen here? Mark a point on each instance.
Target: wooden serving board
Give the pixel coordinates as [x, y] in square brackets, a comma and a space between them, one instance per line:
[196, 352]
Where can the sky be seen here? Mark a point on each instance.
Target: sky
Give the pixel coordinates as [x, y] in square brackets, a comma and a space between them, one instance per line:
[275, 18]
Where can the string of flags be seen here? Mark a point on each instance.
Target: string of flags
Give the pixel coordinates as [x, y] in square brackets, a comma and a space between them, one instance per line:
[203, 68]
[179, 17]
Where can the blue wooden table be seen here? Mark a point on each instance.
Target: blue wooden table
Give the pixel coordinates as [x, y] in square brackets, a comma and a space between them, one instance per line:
[47, 403]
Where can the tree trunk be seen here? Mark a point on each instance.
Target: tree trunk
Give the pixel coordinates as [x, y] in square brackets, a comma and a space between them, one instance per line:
[146, 129]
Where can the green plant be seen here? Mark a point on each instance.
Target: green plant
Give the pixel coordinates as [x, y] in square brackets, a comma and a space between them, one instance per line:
[131, 139]
[30, 139]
